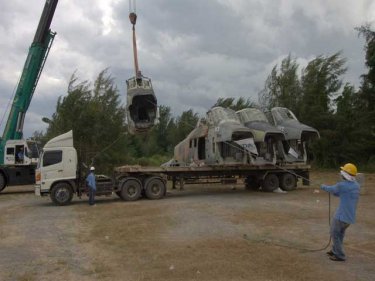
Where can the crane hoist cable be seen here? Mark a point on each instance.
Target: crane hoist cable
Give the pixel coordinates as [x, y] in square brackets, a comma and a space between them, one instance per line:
[133, 21]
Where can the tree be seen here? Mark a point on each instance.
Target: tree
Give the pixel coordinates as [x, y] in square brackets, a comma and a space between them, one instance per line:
[365, 104]
[185, 124]
[282, 87]
[97, 119]
[241, 103]
[321, 81]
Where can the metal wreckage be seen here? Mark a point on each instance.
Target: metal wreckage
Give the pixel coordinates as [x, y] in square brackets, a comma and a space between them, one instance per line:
[141, 108]
[226, 137]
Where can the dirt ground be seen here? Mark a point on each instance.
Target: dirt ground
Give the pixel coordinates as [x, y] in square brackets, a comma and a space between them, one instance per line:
[206, 232]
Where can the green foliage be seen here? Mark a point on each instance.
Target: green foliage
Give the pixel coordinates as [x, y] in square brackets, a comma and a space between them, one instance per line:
[321, 80]
[241, 103]
[282, 87]
[96, 117]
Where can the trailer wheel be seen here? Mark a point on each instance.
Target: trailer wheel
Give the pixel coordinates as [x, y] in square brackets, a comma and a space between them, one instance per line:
[252, 183]
[131, 189]
[288, 182]
[270, 183]
[2, 182]
[61, 194]
[154, 188]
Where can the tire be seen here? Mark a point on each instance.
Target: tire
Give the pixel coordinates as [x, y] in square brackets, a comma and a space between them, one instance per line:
[252, 183]
[62, 194]
[270, 183]
[154, 188]
[288, 182]
[131, 189]
[3, 182]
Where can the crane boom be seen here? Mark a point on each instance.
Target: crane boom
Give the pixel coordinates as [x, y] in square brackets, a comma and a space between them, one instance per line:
[31, 72]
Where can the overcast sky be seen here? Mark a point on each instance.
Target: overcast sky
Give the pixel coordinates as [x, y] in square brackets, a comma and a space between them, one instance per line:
[195, 51]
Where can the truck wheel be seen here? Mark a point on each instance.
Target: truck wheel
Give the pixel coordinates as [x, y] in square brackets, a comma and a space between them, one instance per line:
[2, 182]
[131, 189]
[288, 182]
[270, 183]
[61, 194]
[252, 183]
[155, 188]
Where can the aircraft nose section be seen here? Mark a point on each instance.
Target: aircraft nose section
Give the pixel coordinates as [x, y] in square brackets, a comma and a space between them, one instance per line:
[142, 112]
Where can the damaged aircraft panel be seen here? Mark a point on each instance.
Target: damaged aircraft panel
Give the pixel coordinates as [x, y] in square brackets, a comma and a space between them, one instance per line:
[298, 135]
[268, 139]
[218, 139]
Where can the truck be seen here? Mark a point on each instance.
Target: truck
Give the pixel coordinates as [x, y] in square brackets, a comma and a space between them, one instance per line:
[60, 175]
[19, 157]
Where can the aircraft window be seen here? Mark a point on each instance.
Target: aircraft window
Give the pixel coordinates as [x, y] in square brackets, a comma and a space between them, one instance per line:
[52, 157]
[10, 151]
[253, 115]
[270, 118]
[219, 114]
[283, 114]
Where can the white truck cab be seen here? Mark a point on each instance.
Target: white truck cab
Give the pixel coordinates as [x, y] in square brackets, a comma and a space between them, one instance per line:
[56, 172]
[21, 152]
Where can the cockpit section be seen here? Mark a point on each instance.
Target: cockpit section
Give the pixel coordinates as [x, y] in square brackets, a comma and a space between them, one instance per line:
[298, 135]
[141, 105]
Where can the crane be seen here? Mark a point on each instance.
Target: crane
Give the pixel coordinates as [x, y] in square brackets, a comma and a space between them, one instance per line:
[142, 111]
[18, 157]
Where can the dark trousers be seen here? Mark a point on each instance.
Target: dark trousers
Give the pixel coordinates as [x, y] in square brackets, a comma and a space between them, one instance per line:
[92, 196]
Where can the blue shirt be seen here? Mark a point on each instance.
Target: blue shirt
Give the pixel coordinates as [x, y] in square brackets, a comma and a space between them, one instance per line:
[348, 191]
[91, 181]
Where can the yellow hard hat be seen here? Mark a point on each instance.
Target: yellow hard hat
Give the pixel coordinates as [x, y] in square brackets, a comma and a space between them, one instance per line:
[350, 168]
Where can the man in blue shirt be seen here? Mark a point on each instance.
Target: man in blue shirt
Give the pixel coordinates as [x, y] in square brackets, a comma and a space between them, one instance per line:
[20, 155]
[90, 181]
[348, 192]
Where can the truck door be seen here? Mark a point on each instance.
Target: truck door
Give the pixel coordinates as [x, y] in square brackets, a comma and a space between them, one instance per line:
[52, 167]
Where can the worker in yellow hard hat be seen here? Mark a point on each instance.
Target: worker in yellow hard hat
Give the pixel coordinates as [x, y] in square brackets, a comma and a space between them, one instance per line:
[348, 191]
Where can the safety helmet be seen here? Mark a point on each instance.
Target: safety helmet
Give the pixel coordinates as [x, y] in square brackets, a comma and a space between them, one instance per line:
[92, 168]
[350, 168]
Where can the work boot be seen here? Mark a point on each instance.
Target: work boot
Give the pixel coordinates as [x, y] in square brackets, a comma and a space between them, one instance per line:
[334, 258]
[330, 253]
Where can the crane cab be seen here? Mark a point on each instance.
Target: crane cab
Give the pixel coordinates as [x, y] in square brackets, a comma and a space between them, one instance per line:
[141, 105]
[21, 152]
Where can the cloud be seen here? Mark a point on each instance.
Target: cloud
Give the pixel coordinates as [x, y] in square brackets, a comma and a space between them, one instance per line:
[194, 51]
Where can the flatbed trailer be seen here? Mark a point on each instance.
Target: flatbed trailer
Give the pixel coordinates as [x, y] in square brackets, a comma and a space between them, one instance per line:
[59, 176]
[151, 181]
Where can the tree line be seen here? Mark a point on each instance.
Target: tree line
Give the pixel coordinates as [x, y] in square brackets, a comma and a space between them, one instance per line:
[317, 94]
